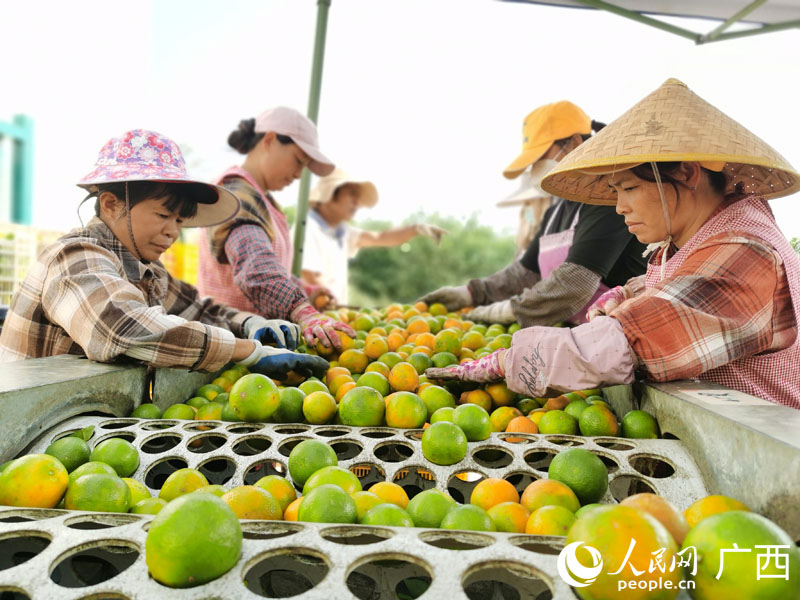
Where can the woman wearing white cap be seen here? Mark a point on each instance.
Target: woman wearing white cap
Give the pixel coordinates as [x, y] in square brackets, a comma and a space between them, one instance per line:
[721, 297]
[330, 239]
[578, 253]
[247, 261]
[100, 291]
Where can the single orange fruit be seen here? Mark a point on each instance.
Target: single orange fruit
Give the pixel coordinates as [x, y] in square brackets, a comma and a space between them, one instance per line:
[501, 417]
[319, 408]
[252, 502]
[290, 514]
[405, 410]
[375, 345]
[403, 377]
[478, 397]
[280, 488]
[343, 389]
[354, 360]
[663, 510]
[548, 492]
[335, 371]
[550, 520]
[510, 517]
[427, 340]
[390, 492]
[35, 480]
[521, 425]
[491, 492]
[379, 367]
[711, 505]
[362, 407]
[447, 340]
[501, 395]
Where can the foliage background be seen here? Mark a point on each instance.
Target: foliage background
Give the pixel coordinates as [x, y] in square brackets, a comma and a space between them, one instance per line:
[379, 276]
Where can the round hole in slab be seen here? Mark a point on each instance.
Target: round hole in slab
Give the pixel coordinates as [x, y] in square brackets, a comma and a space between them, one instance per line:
[128, 436]
[451, 540]
[492, 458]
[518, 438]
[332, 431]
[611, 463]
[202, 425]
[538, 544]
[415, 480]
[378, 434]
[415, 435]
[615, 444]
[101, 521]
[218, 470]
[207, 442]
[368, 474]
[407, 576]
[565, 440]
[508, 580]
[669, 436]
[346, 449]
[91, 564]
[286, 572]
[652, 466]
[269, 530]
[262, 468]
[291, 429]
[29, 514]
[461, 484]
[285, 448]
[158, 472]
[244, 427]
[157, 425]
[158, 443]
[356, 536]
[117, 423]
[252, 445]
[627, 485]
[540, 459]
[520, 480]
[13, 593]
[393, 451]
[19, 548]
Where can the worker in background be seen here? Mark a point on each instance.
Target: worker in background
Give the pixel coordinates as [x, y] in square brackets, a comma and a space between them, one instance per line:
[579, 252]
[330, 238]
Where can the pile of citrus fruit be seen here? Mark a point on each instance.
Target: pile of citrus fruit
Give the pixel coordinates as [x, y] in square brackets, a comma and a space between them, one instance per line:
[377, 379]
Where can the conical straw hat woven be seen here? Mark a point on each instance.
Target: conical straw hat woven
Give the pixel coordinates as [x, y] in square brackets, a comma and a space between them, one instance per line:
[672, 124]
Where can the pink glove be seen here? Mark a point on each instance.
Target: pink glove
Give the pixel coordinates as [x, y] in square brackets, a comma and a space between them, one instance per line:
[607, 302]
[591, 355]
[483, 370]
[318, 327]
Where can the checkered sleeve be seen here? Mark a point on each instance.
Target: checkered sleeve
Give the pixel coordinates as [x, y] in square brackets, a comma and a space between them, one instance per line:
[108, 316]
[718, 307]
[257, 272]
[184, 300]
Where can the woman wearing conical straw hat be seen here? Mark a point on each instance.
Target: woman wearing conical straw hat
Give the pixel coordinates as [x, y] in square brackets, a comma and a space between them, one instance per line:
[721, 297]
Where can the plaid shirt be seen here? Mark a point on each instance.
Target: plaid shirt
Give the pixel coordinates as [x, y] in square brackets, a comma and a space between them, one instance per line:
[724, 310]
[88, 295]
[245, 262]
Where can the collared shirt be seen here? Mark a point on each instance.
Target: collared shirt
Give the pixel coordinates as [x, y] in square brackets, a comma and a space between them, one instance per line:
[327, 251]
[88, 295]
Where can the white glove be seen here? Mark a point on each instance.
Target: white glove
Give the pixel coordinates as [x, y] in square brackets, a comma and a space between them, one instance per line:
[283, 334]
[499, 312]
[452, 297]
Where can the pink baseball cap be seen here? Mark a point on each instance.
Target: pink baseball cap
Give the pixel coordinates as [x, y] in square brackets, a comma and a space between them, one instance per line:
[143, 155]
[287, 121]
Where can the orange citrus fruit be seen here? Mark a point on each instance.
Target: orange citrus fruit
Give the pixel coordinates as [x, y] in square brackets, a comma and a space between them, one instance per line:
[509, 517]
[252, 502]
[478, 397]
[522, 425]
[254, 397]
[280, 488]
[501, 417]
[354, 360]
[182, 482]
[403, 377]
[390, 492]
[492, 491]
[319, 407]
[375, 345]
[711, 505]
[364, 501]
[35, 480]
[501, 395]
[662, 510]
[405, 410]
[550, 520]
[549, 492]
[290, 514]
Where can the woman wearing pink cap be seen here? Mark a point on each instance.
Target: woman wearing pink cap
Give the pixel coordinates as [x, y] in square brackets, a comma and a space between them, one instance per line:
[100, 291]
[246, 262]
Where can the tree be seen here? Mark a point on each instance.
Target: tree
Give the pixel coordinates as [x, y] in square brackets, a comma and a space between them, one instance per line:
[379, 276]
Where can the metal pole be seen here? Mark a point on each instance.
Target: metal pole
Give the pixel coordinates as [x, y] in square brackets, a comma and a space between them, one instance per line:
[629, 14]
[730, 35]
[313, 113]
[22, 171]
[715, 33]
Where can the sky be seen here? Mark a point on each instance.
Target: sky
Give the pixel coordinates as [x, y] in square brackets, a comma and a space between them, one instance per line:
[423, 97]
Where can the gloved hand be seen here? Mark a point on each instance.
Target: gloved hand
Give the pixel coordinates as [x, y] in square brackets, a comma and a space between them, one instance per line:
[318, 327]
[499, 312]
[452, 297]
[483, 370]
[320, 297]
[431, 231]
[272, 331]
[277, 362]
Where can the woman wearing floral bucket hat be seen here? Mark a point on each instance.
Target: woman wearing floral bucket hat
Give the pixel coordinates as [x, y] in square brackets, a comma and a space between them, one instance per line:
[100, 291]
[246, 262]
[721, 297]
[578, 252]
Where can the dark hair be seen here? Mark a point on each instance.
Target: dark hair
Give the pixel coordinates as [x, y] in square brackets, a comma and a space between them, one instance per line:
[596, 126]
[244, 138]
[180, 197]
[667, 170]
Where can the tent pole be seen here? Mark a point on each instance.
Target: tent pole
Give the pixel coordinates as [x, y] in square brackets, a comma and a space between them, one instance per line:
[313, 113]
[715, 33]
[629, 14]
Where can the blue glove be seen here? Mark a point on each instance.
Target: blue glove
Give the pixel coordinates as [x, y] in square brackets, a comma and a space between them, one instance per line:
[277, 362]
[282, 334]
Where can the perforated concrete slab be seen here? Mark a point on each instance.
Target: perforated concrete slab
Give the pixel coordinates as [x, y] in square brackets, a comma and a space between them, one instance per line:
[233, 454]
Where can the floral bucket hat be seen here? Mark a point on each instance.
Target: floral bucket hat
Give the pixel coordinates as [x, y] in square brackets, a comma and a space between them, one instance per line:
[142, 155]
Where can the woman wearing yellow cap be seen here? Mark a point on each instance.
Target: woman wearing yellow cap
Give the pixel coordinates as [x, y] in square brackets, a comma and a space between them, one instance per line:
[721, 297]
[578, 253]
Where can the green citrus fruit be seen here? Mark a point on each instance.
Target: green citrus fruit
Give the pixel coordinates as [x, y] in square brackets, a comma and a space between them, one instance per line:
[197, 401]
[327, 503]
[254, 397]
[92, 468]
[307, 457]
[290, 407]
[179, 411]
[138, 490]
[468, 517]
[146, 411]
[182, 482]
[376, 381]
[436, 397]
[429, 507]
[444, 443]
[148, 506]
[446, 413]
[209, 391]
[363, 406]
[387, 514]
[118, 453]
[639, 424]
[335, 475]
[312, 385]
[98, 493]
[598, 420]
[582, 471]
[557, 421]
[474, 421]
[71, 451]
[35, 480]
